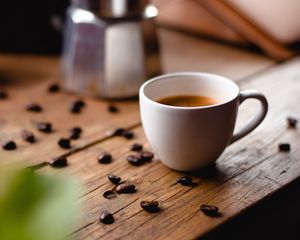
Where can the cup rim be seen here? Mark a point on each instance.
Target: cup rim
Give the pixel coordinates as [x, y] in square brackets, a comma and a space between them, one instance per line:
[179, 74]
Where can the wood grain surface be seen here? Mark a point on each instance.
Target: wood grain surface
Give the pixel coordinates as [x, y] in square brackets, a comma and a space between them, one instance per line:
[246, 173]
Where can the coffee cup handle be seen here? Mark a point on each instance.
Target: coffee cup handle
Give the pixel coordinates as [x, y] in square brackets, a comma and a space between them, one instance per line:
[248, 94]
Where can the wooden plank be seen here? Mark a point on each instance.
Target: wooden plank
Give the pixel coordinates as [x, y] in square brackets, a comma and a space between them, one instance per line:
[247, 172]
[26, 78]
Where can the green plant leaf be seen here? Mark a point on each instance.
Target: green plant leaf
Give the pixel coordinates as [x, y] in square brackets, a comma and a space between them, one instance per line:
[35, 206]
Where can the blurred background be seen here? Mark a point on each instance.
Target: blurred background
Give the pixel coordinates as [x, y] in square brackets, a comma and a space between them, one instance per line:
[32, 26]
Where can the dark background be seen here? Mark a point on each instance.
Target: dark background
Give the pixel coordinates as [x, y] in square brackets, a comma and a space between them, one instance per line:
[27, 26]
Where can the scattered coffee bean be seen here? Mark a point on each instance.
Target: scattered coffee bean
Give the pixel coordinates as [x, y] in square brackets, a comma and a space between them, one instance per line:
[292, 122]
[118, 132]
[135, 160]
[106, 217]
[136, 147]
[284, 147]
[3, 94]
[125, 188]
[34, 107]
[64, 143]
[128, 135]
[105, 157]
[185, 181]
[45, 127]
[9, 145]
[76, 106]
[59, 162]
[109, 194]
[75, 133]
[210, 210]
[53, 88]
[150, 206]
[114, 179]
[146, 156]
[28, 136]
[112, 108]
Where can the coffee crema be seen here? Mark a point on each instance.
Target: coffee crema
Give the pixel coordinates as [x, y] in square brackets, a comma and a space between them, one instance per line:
[187, 101]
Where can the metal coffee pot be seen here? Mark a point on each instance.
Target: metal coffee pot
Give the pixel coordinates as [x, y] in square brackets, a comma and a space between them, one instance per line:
[110, 47]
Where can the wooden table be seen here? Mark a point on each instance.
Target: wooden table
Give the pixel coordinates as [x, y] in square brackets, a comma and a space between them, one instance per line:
[248, 172]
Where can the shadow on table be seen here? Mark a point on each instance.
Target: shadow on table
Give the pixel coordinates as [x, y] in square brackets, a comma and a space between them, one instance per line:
[275, 217]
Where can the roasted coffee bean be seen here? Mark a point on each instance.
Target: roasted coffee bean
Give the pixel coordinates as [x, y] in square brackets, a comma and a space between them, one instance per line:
[118, 132]
[146, 156]
[135, 160]
[125, 188]
[34, 107]
[292, 122]
[112, 108]
[114, 179]
[185, 180]
[106, 217]
[53, 88]
[75, 133]
[109, 194]
[28, 136]
[59, 162]
[45, 127]
[128, 135]
[105, 157]
[76, 106]
[136, 147]
[3, 94]
[9, 145]
[150, 206]
[64, 143]
[284, 147]
[210, 210]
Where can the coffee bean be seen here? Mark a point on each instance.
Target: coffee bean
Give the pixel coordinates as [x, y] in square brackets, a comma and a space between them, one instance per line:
[210, 210]
[135, 160]
[75, 133]
[28, 136]
[112, 108]
[45, 127]
[3, 94]
[105, 157]
[284, 147]
[136, 147]
[53, 88]
[34, 107]
[106, 217]
[125, 188]
[114, 179]
[292, 122]
[9, 145]
[185, 181]
[109, 194]
[146, 156]
[80, 103]
[76, 106]
[150, 206]
[59, 162]
[118, 132]
[128, 135]
[64, 143]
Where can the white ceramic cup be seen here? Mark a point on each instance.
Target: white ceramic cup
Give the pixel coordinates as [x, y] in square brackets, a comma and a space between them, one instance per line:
[189, 138]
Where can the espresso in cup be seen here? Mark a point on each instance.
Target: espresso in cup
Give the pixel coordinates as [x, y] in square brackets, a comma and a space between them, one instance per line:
[187, 101]
[189, 118]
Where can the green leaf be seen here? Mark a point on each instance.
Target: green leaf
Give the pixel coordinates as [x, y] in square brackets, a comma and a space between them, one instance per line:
[35, 206]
